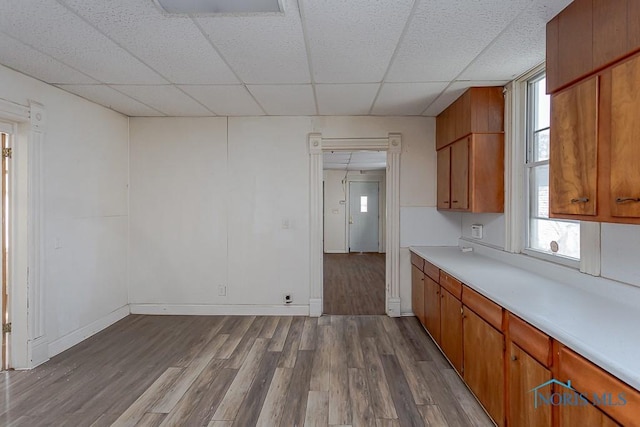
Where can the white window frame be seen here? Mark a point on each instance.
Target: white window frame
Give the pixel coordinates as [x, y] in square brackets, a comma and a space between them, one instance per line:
[516, 188]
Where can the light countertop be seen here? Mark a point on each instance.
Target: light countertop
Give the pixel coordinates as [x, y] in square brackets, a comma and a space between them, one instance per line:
[605, 331]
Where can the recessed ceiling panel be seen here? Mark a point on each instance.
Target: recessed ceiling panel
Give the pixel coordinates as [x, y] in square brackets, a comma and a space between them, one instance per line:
[446, 35]
[262, 49]
[111, 98]
[346, 99]
[285, 100]
[452, 93]
[165, 98]
[27, 60]
[406, 99]
[172, 45]
[352, 41]
[225, 100]
[58, 32]
[523, 42]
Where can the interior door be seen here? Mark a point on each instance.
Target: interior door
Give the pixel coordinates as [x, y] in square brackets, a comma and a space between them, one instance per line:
[363, 217]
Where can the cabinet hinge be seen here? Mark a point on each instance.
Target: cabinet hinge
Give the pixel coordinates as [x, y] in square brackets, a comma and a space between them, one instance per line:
[6, 153]
[6, 328]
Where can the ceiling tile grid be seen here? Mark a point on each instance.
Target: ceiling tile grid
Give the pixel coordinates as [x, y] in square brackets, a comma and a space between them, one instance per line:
[231, 100]
[165, 98]
[111, 98]
[285, 100]
[172, 45]
[406, 99]
[345, 99]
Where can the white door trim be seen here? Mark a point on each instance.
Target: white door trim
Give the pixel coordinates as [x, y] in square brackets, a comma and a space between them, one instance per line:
[392, 145]
[28, 339]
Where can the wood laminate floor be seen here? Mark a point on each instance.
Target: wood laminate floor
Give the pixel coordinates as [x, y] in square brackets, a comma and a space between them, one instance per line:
[244, 371]
[354, 283]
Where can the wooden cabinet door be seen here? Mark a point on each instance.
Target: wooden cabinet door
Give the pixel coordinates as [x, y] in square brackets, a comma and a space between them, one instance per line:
[460, 174]
[625, 130]
[444, 174]
[574, 150]
[417, 293]
[525, 373]
[587, 415]
[432, 308]
[575, 47]
[484, 364]
[451, 328]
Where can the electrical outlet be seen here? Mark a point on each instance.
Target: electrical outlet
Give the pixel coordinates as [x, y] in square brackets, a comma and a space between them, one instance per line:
[476, 231]
[288, 299]
[222, 291]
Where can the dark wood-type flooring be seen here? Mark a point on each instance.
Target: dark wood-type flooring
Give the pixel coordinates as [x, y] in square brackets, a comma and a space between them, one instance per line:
[244, 371]
[354, 283]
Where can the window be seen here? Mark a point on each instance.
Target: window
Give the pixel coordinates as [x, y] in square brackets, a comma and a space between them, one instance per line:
[559, 238]
[363, 203]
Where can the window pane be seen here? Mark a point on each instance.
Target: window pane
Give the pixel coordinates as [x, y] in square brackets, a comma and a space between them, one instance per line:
[539, 192]
[543, 101]
[541, 145]
[566, 234]
[363, 203]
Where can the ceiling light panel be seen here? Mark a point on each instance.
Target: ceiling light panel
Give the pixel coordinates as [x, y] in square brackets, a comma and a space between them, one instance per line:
[346, 99]
[262, 49]
[446, 35]
[109, 97]
[173, 46]
[193, 7]
[165, 98]
[285, 100]
[353, 41]
[406, 99]
[61, 34]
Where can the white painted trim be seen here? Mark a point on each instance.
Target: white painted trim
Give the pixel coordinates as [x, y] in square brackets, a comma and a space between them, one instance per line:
[220, 310]
[13, 112]
[335, 251]
[590, 256]
[38, 351]
[79, 335]
[392, 144]
[514, 213]
[315, 307]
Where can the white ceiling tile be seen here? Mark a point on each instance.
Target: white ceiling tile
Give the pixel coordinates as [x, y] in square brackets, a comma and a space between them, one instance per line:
[346, 99]
[334, 166]
[262, 49]
[225, 100]
[165, 98]
[285, 100]
[369, 156]
[523, 42]
[56, 31]
[406, 99]
[29, 61]
[171, 44]
[446, 35]
[352, 41]
[111, 98]
[454, 91]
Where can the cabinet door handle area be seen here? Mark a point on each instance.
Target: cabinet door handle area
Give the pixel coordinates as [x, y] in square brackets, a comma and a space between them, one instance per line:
[514, 358]
[627, 199]
[580, 200]
[454, 201]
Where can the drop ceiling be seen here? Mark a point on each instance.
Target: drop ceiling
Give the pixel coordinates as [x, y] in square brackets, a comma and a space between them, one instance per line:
[319, 57]
[354, 161]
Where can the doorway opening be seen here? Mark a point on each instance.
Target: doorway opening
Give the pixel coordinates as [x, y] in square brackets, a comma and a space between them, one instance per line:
[4, 241]
[354, 209]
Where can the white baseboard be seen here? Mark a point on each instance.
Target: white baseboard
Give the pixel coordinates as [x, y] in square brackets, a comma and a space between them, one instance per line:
[393, 307]
[79, 335]
[315, 307]
[220, 310]
[335, 251]
[408, 314]
[38, 351]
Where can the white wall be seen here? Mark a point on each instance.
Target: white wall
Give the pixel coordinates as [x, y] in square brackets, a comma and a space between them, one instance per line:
[335, 213]
[85, 211]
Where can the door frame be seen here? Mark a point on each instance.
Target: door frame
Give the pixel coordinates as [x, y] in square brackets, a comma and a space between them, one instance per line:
[392, 144]
[28, 340]
[380, 179]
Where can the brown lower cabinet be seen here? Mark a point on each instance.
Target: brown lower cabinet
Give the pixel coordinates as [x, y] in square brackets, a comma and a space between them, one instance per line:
[484, 364]
[525, 374]
[572, 416]
[417, 293]
[432, 308]
[451, 328]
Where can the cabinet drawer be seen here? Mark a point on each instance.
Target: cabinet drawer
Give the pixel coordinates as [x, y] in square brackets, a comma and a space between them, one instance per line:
[590, 380]
[483, 307]
[530, 339]
[451, 284]
[432, 271]
[417, 261]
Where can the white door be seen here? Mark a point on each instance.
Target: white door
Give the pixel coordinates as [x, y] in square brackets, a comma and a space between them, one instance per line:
[363, 216]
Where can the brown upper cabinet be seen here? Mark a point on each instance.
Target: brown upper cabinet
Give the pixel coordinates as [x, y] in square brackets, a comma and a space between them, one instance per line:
[593, 173]
[589, 35]
[470, 144]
